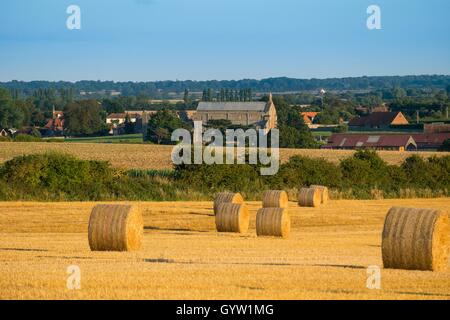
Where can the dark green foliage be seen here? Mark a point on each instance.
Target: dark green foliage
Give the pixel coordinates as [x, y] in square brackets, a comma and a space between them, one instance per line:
[303, 171]
[26, 138]
[293, 131]
[129, 126]
[60, 177]
[445, 146]
[214, 178]
[365, 169]
[10, 116]
[58, 174]
[161, 126]
[84, 118]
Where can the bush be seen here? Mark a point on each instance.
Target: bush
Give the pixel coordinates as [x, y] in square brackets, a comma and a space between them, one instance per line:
[26, 138]
[365, 169]
[58, 175]
[365, 175]
[303, 171]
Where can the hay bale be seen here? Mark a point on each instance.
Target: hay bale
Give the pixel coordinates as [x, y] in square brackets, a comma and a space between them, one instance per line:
[273, 222]
[275, 199]
[416, 239]
[232, 217]
[115, 228]
[227, 197]
[323, 193]
[309, 197]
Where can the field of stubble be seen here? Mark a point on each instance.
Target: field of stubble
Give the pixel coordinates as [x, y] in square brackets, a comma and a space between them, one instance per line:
[184, 258]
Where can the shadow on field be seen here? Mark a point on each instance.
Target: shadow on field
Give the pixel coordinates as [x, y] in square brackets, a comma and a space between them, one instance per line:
[344, 266]
[173, 229]
[23, 249]
[162, 260]
[65, 258]
[202, 214]
[422, 293]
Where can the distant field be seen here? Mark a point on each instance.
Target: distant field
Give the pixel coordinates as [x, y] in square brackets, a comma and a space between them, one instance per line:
[143, 156]
[127, 138]
[183, 257]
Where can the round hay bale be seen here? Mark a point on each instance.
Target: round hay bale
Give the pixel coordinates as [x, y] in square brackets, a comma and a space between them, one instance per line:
[273, 222]
[232, 217]
[323, 193]
[115, 228]
[309, 197]
[416, 239]
[275, 199]
[227, 197]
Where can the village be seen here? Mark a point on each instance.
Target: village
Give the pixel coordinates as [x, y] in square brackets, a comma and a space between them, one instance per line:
[377, 128]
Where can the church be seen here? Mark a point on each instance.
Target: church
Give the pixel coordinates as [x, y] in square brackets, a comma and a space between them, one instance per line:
[259, 115]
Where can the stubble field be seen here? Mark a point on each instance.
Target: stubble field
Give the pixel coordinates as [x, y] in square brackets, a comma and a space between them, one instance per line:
[183, 257]
[141, 156]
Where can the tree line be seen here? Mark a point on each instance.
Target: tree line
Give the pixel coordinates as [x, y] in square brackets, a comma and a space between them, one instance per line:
[280, 84]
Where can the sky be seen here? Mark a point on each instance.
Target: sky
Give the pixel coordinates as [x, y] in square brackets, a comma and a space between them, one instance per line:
[148, 40]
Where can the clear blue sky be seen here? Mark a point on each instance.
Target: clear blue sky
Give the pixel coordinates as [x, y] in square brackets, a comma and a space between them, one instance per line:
[145, 40]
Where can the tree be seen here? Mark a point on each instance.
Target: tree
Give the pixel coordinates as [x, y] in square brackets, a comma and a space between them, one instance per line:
[84, 118]
[445, 146]
[129, 126]
[162, 124]
[186, 96]
[10, 115]
[294, 133]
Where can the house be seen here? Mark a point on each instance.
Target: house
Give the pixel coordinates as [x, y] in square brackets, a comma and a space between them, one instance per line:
[260, 115]
[398, 142]
[139, 118]
[308, 117]
[4, 132]
[56, 124]
[378, 120]
[432, 141]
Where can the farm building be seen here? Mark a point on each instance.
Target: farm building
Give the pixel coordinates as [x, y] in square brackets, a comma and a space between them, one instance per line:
[117, 120]
[261, 115]
[431, 141]
[120, 118]
[399, 142]
[440, 127]
[378, 120]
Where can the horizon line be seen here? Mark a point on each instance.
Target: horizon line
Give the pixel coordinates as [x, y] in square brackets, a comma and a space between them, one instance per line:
[241, 79]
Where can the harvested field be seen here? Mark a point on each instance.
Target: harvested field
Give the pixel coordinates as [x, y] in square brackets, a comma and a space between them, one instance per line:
[129, 156]
[183, 257]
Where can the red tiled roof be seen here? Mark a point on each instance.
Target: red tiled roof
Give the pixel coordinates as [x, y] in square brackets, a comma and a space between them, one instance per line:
[431, 140]
[368, 141]
[374, 119]
[308, 117]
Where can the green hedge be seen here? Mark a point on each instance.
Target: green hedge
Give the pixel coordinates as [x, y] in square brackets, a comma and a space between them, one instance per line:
[59, 177]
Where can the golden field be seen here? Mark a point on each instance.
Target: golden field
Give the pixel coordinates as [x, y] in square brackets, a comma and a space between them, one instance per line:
[144, 156]
[183, 257]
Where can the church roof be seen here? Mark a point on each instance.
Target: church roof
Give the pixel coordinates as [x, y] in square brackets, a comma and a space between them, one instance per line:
[232, 106]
